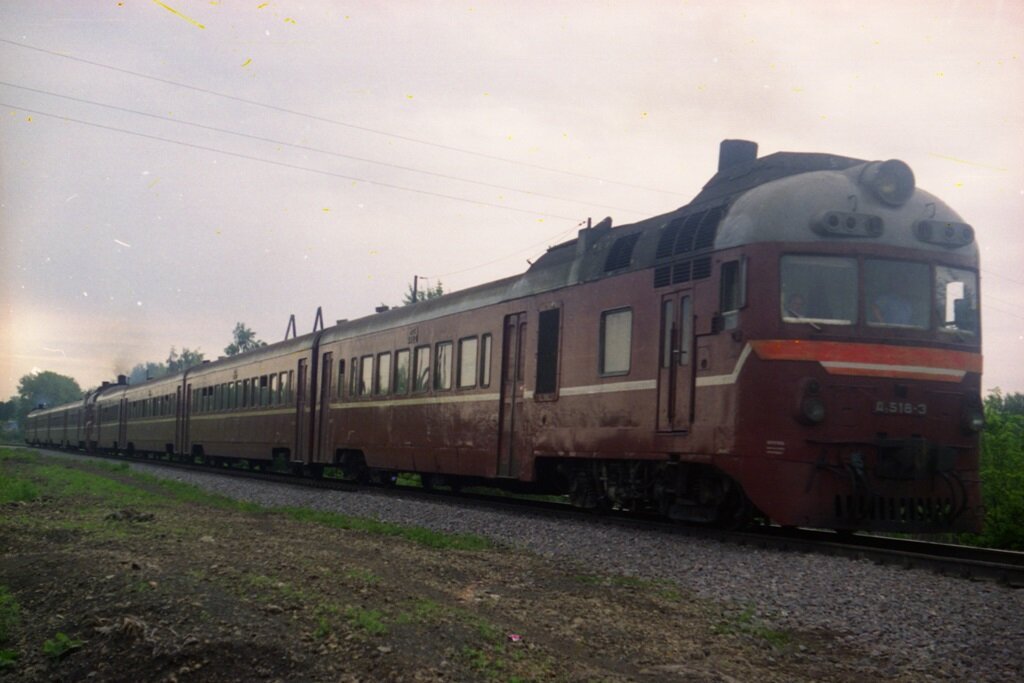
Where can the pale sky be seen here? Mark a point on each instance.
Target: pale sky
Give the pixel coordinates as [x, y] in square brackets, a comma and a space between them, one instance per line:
[168, 169]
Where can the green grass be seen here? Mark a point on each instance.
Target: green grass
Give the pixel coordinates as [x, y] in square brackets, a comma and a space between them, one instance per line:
[16, 490]
[269, 584]
[663, 588]
[420, 535]
[45, 478]
[10, 613]
[746, 623]
[363, 576]
[423, 611]
[368, 620]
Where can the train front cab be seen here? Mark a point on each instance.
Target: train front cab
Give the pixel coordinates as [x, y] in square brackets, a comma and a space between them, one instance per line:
[858, 355]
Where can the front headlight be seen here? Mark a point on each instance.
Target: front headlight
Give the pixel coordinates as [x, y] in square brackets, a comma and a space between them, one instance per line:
[973, 421]
[812, 409]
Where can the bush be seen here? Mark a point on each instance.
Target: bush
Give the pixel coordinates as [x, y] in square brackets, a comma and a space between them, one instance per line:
[1002, 473]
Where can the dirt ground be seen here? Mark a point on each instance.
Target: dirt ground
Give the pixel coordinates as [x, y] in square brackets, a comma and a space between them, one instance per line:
[118, 577]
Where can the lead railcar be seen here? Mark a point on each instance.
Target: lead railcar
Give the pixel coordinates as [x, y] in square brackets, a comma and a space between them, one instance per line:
[801, 341]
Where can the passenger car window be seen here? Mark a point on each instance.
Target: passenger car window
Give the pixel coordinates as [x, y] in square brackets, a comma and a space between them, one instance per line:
[402, 371]
[383, 385]
[366, 377]
[422, 369]
[443, 366]
[485, 361]
[616, 341]
[467, 362]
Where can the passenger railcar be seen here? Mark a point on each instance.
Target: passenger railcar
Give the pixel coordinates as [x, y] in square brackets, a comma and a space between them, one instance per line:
[800, 342]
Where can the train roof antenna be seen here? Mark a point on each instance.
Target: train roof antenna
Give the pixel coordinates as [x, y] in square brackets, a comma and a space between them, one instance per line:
[290, 332]
[318, 324]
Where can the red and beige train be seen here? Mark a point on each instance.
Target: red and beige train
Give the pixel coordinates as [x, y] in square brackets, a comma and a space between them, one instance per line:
[800, 343]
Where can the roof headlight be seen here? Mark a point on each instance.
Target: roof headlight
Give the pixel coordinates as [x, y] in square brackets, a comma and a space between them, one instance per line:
[892, 182]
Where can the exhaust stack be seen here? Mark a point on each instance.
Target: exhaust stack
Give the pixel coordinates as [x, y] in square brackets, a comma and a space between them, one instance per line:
[734, 152]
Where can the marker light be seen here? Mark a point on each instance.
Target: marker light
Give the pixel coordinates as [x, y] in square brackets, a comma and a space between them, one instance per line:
[892, 182]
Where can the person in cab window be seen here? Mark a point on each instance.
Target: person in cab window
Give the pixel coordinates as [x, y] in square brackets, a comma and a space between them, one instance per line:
[796, 306]
[891, 307]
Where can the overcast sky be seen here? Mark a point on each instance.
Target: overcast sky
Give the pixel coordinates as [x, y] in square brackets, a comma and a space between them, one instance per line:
[168, 169]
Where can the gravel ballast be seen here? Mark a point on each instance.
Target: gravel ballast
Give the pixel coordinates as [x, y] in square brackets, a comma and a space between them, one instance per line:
[913, 623]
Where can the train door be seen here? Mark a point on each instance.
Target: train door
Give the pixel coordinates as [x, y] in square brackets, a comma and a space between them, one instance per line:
[301, 417]
[122, 424]
[675, 362]
[513, 357]
[178, 422]
[186, 420]
[323, 423]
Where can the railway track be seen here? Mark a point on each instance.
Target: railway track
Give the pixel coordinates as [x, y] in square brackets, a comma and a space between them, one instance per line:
[981, 564]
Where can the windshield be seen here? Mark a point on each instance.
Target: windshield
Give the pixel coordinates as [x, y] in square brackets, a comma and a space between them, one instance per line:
[820, 289]
[956, 299]
[896, 294]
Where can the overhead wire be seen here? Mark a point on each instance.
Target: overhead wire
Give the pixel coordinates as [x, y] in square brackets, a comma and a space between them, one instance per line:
[283, 164]
[324, 119]
[308, 148]
[553, 238]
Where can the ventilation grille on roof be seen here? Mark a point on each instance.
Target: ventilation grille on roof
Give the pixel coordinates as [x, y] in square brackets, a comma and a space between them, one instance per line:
[689, 233]
[621, 253]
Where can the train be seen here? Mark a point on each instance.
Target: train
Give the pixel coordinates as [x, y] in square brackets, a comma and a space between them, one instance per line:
[799, 345]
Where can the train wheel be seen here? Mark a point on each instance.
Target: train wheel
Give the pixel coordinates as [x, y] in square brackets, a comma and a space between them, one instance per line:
[583, 491]
[736, 512]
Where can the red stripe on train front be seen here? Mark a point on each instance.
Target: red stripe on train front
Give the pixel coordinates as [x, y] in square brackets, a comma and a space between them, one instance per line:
[873, 360]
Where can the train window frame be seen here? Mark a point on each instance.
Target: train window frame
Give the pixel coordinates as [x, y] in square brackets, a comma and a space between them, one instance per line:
[275, 397]
[950, 317]
[889, 299]
[815, 300]
[618, 370]
[353, 378]
[421, 374]
[366, 375]
[264, 391]
[245, 393]
[341, 379]
[549, 345]
[732, 293]
[382, 376]
[444, 361]
[466, 377]
[486, 346]
[401, 381]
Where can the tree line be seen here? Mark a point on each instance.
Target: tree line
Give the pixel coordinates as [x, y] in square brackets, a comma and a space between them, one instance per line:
[53, 389]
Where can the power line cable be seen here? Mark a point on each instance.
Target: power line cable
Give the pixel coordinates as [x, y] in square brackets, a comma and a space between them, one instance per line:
[336, 122]
[553, 238]
[287, 165]
[307, 148]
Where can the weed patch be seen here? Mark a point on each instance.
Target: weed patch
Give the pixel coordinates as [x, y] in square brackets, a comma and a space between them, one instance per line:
[369, 620]
[60, 645]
